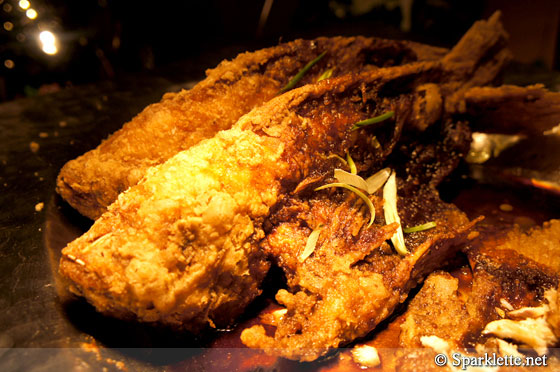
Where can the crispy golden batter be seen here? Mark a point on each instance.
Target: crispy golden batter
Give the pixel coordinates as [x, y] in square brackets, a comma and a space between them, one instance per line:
[167, 248]
[436, 310]
[93, 181]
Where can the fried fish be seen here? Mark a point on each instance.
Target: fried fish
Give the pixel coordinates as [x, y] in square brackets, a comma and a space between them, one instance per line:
[182, 247]
[93, 181]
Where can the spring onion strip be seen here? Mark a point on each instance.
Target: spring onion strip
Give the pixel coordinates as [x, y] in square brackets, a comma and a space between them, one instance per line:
[311, 244]
[391, 214]
[357, 192]
[375, 182]
[370, 185]
[350, 179]
[292, 83]
[423, 227]
[338, 157]
[374, 120]
[326, 75]
[351, 163]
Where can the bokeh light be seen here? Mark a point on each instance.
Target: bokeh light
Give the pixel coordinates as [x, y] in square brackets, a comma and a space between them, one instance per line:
[48, 42]
[50, 49]
[31, 13]
[24, 4]
[47, 37]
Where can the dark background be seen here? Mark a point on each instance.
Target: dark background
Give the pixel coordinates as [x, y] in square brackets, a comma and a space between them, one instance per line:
[107, 39]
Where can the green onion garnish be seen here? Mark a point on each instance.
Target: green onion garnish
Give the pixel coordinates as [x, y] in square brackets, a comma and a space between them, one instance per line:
[391, 214]
[357, 192]
[292, 83]
[337, 157]
[426, 226]
[310, 244]
[351, 163]
[375, 182]
[350, 179]
[374, 120]
[325, 75]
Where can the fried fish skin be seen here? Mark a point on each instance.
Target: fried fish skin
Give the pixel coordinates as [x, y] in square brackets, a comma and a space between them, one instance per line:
[93, 181]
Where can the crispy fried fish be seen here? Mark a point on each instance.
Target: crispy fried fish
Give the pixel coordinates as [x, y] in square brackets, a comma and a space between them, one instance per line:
[182, 246]
[93, 181]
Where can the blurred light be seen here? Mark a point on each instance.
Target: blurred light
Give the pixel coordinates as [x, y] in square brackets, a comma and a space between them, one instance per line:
[31, 13]
[48, 42]
[7, 8]
[47, 37]
[9, 63]
[50, 49]
[116, 44]
[20, 37]
[8, 26]
[24, 4]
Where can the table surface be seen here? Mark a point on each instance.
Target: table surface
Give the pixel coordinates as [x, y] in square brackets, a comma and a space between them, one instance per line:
[38, 330]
